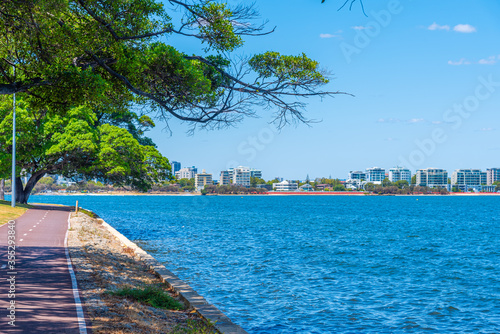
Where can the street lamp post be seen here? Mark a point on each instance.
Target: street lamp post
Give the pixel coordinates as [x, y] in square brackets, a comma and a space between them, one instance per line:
[13, 183]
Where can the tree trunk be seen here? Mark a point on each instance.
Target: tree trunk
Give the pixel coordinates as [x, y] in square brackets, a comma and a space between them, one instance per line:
[2, 191]
[23, 193]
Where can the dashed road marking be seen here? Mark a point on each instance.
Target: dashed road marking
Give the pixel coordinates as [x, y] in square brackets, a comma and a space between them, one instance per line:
[26, 233]
[30, 230]
[21, 239]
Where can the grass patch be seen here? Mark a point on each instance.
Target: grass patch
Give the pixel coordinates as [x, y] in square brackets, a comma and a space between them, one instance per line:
[151, 295]
[8, 213]
[195, 327]
[88, 213]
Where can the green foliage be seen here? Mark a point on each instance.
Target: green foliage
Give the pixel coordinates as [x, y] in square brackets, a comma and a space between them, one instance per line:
[47, 180]
[71, 53]
[195, 327]
[293, 68]
[331, 184]
[216, 27]
[402, 184]
[232, 189]
[386, 183]
[254, 181]
[77, 142]
[151, 295]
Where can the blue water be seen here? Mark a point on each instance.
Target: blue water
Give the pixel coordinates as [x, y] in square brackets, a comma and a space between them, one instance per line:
[325, 264]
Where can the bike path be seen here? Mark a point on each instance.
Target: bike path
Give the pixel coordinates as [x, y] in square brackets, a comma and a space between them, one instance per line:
[40, 279]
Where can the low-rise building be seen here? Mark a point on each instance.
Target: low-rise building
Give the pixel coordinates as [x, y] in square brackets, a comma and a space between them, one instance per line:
[399, 174]
[202, 179]
[306, 187]
[265, 186]
[285, 186]
[432, 178]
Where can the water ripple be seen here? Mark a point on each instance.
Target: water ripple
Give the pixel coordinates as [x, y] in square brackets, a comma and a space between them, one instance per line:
[326, 264]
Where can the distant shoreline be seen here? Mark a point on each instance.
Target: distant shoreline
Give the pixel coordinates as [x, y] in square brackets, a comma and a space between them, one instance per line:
[264, 194]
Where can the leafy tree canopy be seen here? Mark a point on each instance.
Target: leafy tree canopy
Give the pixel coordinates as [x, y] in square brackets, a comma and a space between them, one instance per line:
[80, 142]
[74, 51]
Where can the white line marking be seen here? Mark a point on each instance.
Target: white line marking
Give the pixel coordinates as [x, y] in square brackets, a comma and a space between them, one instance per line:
[20, 239]
[30, 230]
[25, 233]
[76, 295]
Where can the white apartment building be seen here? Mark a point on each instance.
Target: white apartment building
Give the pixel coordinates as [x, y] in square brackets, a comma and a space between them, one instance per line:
[241, 176]
[285, 186]
[202, 179]
[375, 174]
[492, 175]
[225, 179]
[357, 175]
[399, 173]
[471, 177]
[256, 173]
[186, 173]
[432, 177]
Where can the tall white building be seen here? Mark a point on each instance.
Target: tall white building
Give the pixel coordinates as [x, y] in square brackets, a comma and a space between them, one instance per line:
[358, 175]
[399, 173]
[464, 179]
[492, 175]
[256, 173]
[225, 179]
[186, 173]
[202, 179]
[432, 178]
[375, 174]
[241, 176]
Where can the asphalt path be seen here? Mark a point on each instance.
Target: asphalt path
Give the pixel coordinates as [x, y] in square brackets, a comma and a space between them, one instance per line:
[36, 292]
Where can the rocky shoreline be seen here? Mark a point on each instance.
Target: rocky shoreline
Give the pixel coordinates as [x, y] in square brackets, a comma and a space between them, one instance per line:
[103, 264]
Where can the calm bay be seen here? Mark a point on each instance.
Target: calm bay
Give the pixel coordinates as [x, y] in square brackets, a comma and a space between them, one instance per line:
[325, 264]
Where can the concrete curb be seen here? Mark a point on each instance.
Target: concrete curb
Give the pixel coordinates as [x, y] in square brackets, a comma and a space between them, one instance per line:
[207, 311]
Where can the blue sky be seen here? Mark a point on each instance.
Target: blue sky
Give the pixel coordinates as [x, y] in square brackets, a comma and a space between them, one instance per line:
[426, 80]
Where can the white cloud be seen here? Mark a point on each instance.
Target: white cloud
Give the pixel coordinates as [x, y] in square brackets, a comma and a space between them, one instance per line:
[488, 61]
[436, 26]
[486, 129]
[464, 28]
[359, 28]
[397, 120]
[388, 120]
[462, 61]
[336, 35]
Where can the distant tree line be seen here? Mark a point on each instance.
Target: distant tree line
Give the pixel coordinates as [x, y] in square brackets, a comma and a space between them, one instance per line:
[401, 187]
[231, 189]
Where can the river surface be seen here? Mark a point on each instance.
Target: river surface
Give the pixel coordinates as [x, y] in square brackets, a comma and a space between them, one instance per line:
[325, 264]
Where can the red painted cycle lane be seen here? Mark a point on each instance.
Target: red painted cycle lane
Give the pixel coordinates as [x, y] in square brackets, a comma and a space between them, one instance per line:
[36, 293]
